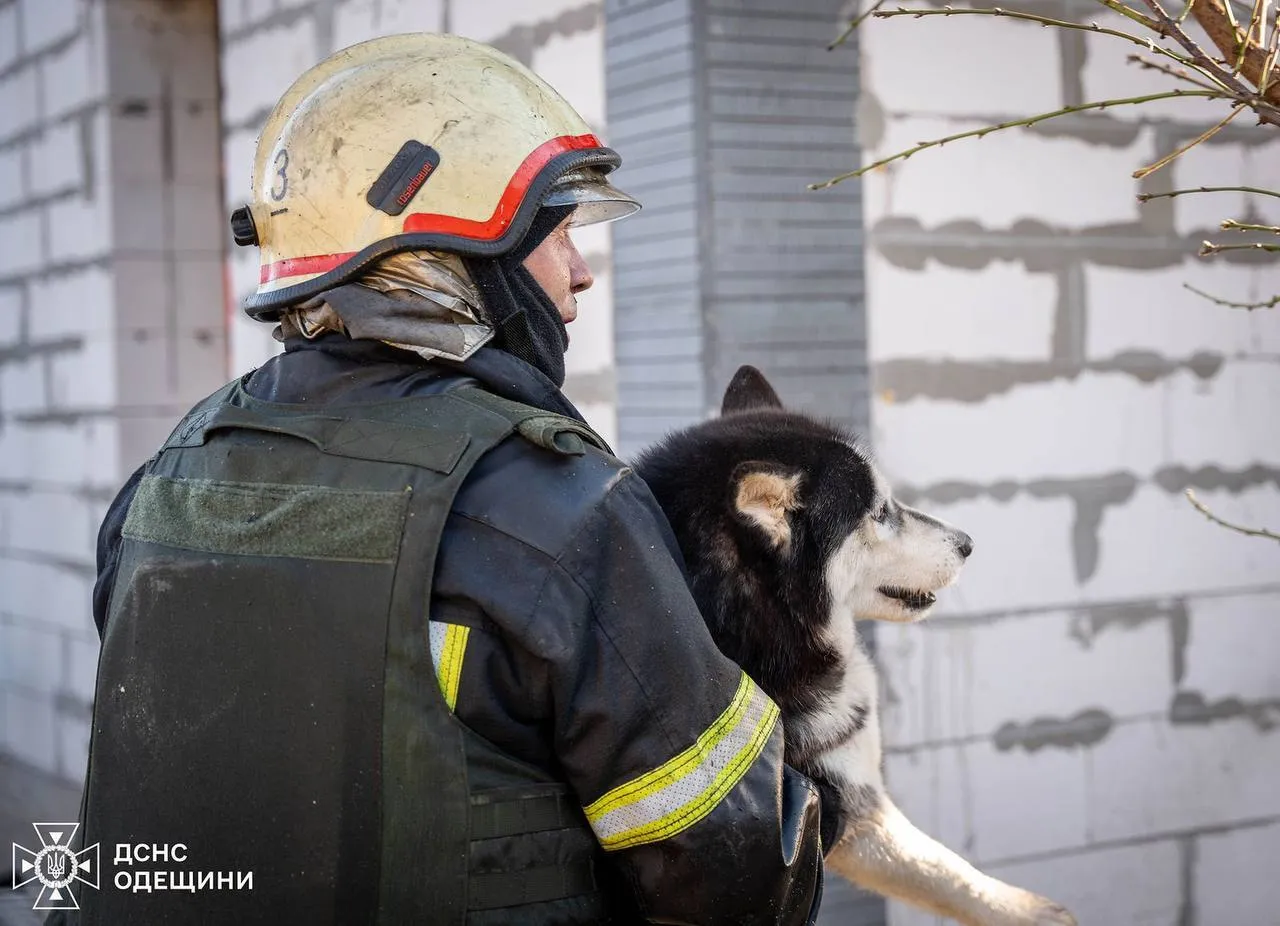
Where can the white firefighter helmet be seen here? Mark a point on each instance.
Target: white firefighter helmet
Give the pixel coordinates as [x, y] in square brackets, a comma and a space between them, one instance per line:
[418, 141]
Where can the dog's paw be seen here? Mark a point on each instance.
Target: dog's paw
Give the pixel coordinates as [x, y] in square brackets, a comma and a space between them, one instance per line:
[1052, 914]
[1015, 907]
[1040, 911]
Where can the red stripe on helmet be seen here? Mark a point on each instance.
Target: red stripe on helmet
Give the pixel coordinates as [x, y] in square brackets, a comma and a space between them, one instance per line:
[507, 206]
[487, 230]
[299, 266]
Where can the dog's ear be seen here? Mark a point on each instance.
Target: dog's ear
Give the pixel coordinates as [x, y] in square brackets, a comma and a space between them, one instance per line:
[748, 390]
[765, 494]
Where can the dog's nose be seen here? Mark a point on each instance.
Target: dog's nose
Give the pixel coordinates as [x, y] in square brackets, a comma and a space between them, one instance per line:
[964, 544]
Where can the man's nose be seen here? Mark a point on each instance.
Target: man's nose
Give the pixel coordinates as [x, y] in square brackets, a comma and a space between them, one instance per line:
[580, 278]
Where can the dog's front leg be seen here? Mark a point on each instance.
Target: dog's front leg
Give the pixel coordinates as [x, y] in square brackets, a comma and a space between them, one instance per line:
[883, 852]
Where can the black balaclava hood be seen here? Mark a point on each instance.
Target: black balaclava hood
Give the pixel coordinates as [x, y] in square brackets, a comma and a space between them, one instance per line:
[526, 323]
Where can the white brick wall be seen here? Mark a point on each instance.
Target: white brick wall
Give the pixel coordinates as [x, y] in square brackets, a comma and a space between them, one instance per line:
[46, 22]
[1154, 312]
[1019, 71]
[8, 34]
[1235, 878]
[1073, 183]
[1001, 311]
[11, 177]
[73, 77]
[261, 67]
[1129, 670]
[1183, 610]
[19, 243]
[18, 102]
[87, 204]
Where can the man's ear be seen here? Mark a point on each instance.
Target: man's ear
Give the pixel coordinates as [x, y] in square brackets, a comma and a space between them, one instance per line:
[765, 494]
[748, 390]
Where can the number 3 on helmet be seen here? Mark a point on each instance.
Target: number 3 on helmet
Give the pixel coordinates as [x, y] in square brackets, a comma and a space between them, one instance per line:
[418, 141]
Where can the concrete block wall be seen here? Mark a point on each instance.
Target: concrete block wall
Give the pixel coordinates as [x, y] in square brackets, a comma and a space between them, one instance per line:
[266, 44]
[111, 316]
[1093, 710]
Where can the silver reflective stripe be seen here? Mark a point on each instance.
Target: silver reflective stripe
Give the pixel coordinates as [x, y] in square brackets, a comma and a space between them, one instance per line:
[677, 794]
[448, 646]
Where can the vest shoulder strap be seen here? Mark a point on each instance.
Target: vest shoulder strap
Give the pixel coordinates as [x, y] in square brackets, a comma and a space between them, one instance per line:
[429, 431]
[548, 430]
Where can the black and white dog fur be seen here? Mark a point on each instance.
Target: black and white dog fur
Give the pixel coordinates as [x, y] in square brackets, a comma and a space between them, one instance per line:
[790, 534]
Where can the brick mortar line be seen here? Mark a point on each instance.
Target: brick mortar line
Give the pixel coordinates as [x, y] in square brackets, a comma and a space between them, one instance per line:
[56, 269]
[1131, 841]
[963, 621]
[976, 739]
[78, 567]
[34, 57]
[42, 200]
[82, 491]
[49, 627]
[277, 19]
[87, 108]
[1080, 126]
[60, 696]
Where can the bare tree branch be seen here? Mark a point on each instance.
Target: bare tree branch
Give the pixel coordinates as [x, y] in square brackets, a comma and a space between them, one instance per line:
[1208, 247]
[1250, 306]
[1233, 225]
[854, 24]
[1148, 44]
[1147, 197]
[1183, 149]
[1249, 531]
[1219, 24]
[1173, 72]
[1267, 109]
[1014, 123]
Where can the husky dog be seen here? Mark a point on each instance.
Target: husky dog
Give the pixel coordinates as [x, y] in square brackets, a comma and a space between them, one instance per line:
[790, 535]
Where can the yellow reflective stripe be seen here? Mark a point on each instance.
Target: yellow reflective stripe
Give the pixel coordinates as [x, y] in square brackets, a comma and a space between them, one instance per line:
[448, 646]
[677, 794]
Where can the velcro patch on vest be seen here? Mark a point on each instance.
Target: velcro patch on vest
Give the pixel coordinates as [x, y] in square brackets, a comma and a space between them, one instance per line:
[401, 180]
[268, 519]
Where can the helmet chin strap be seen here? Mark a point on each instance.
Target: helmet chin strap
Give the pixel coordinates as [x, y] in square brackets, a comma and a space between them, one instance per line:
[525, 321]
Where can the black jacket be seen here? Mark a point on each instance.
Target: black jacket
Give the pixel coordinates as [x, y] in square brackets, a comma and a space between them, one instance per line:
[587, 657]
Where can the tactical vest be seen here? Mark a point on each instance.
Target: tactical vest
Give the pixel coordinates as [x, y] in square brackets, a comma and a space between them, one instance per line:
[266, 693]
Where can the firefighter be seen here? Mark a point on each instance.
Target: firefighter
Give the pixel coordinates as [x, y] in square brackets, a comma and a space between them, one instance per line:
[389, 633]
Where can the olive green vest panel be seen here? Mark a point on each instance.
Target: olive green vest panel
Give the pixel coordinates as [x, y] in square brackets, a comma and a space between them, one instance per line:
[266, 693]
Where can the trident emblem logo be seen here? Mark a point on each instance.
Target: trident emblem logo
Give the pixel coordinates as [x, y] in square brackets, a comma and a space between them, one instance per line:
[55, 866]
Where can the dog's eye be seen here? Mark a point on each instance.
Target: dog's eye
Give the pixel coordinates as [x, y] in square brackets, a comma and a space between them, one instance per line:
[881, 514]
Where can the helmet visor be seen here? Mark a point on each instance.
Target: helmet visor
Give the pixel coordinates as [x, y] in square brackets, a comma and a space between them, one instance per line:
[597, 199]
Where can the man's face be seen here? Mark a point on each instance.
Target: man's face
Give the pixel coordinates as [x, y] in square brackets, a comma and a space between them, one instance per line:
[560, 270]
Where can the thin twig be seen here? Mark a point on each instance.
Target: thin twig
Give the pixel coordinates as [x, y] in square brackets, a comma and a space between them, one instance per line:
[1172, 72]
[1146, 197]
[1258, 10]
[1208, 247]
[1146, 44]
[854, 24]
[1248, 531]
[1250, 306]
[1178, 152]
[1233, 225]
[1130, 13]
[1014, 123]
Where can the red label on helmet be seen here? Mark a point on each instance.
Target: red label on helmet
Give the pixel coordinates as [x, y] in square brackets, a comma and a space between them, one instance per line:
[400, 181]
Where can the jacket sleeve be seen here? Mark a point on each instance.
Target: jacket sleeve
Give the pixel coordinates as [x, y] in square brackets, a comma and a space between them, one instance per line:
[675, 753]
